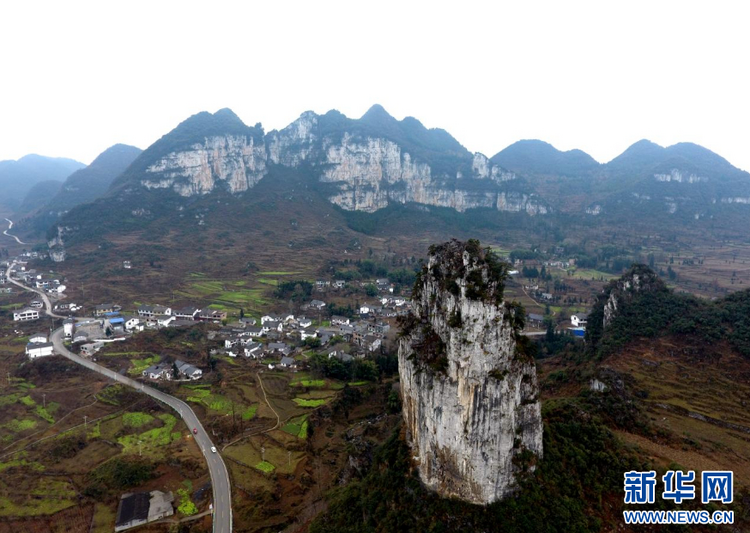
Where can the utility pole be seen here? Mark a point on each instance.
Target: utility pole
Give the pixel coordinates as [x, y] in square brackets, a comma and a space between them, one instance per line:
[44, 399]
[9, 379]
[262, 453]
[86, 421]
[140, 448]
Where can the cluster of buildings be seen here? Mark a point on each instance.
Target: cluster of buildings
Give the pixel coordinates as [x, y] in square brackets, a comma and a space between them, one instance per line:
[385, 307]
[176, 370]
[382, 284]
[273, 340]
[47, 282]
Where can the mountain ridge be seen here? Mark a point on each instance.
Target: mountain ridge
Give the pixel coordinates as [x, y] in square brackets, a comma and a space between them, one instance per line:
[17, 177]
[376, 162]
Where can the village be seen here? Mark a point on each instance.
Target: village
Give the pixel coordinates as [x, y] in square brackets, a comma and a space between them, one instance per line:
[276, 340]
[307, 345]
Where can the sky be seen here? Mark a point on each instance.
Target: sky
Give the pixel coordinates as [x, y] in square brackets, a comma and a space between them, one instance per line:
[78, 77]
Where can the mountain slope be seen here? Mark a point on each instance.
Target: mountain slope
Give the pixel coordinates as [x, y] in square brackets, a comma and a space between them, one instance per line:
[39, 195]
[539, 157]
[18, 177]
[384, 173]
[89, 183]
[684, 181]
[364, 164]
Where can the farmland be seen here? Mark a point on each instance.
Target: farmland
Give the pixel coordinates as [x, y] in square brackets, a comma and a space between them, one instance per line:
[64, 431]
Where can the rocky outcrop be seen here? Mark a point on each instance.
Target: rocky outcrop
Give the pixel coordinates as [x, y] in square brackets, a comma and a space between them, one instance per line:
[638, 279]
[56, 245]
[366, 169]
[232, 160]
[470, 394]
[677, 176]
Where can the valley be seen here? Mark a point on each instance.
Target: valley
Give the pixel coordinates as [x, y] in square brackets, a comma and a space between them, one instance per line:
[262, 283]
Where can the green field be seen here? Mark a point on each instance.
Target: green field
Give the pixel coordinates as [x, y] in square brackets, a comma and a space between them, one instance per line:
[297, 427]
[265, 466]
[227, 295]
[303, 402]
[309, 383]
[149, 441]
[139, 365]
[588, 274]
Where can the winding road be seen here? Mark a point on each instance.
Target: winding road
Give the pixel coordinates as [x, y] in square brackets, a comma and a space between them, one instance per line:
[10, 226]
[222, 496]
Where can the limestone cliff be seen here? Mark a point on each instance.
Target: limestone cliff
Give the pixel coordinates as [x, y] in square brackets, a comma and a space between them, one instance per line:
[367, 163]
[470, 394]
[234, 160]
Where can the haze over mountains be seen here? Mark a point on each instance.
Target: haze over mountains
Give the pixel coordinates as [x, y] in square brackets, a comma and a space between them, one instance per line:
[90, 183]
[18, 177]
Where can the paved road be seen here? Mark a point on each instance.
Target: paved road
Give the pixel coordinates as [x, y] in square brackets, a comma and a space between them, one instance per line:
[219, 476]
[45, 298]
[10, 226]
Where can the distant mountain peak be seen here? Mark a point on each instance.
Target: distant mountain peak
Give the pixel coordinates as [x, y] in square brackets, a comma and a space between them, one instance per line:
[533, 156]
[91, 182]
[227, 114]
[644, 143]
[377, 113]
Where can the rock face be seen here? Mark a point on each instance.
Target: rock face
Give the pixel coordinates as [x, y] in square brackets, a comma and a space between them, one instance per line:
[230, 159]
[368, 163]
[470, 394]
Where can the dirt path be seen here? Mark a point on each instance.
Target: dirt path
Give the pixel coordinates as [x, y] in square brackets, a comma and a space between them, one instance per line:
[278, 418]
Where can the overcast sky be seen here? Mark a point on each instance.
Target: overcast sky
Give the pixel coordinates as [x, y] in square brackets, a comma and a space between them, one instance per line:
[78, 77]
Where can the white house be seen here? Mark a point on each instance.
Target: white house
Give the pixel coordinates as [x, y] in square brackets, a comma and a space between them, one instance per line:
[158, 371]
[307, 333]
[189, 371]
[254, 331]
[579, 319]
[371, 343]
[91, 348]
[80, 336]
[39, 349]
[165, 320]
[37, 338]
[339, 320]
[133, 323]
[26, 314]
[268, 318]
[147, 311]
[253, 349]
[304, 322]
[186, 313]
[69, 326]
